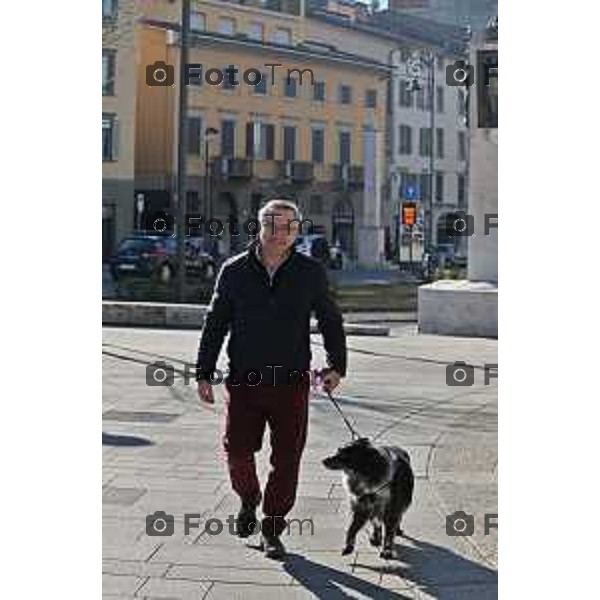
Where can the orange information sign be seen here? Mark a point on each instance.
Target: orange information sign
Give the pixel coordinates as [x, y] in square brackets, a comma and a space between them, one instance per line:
[409, 213]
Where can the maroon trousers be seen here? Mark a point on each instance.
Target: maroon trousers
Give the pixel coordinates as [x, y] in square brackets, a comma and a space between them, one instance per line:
[249, 409]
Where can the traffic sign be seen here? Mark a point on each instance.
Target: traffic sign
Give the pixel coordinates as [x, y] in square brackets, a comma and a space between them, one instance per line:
[412, 192]
[409, 213]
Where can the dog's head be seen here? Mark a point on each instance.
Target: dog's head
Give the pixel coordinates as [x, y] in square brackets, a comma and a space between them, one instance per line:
[357, 456]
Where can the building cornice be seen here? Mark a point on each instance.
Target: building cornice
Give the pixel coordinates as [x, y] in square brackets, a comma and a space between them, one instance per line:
[297, 52]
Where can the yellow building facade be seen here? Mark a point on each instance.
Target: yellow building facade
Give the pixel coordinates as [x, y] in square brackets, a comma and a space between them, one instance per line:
[305, 138]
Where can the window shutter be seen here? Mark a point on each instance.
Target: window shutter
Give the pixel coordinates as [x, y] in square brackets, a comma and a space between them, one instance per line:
[270, 142]
[250, 140]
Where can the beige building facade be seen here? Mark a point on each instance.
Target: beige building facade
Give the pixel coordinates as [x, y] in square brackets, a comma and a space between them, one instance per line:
[119, 91]
[309, 139]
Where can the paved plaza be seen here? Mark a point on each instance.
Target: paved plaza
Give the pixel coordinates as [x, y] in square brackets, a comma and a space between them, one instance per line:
[162, 452]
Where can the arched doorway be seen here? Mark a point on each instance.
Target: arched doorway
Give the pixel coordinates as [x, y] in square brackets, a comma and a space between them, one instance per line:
[342, 226]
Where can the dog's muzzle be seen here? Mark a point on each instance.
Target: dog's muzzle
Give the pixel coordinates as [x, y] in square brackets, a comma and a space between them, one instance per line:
[332, 462]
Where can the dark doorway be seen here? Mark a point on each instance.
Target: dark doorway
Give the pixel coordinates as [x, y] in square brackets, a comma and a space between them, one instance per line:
[342, 226]
[108, 231]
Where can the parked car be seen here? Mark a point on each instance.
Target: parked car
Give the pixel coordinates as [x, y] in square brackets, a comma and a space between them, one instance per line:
[156, 257]
[317, 246]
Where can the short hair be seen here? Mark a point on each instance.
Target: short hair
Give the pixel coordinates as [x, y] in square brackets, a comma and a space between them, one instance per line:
[281, 204]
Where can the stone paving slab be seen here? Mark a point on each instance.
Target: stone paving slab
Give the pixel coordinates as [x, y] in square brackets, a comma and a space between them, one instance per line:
[396, 391]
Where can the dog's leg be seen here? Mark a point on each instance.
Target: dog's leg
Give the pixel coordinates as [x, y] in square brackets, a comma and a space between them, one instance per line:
[359, 518]
[375, 538]
[391, 524]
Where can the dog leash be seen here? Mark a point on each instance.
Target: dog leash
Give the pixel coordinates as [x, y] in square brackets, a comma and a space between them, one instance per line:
[348, 424]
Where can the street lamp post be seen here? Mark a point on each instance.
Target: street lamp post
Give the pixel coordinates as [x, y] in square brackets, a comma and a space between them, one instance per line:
[209, 134]
[427, 58]
[182, 130]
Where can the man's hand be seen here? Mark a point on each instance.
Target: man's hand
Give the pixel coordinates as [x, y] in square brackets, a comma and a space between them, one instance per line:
[331, 379]
[205, 392]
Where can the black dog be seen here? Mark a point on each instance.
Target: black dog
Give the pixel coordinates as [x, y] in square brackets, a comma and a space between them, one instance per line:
[380, 482]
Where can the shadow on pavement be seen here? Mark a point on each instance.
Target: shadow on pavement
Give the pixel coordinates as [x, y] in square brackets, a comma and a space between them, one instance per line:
[110, 439]
[323, 581]
[439, 571]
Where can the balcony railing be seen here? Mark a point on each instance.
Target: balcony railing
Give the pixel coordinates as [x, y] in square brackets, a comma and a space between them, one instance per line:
[296, 171]
[231, 168]
[350, 175]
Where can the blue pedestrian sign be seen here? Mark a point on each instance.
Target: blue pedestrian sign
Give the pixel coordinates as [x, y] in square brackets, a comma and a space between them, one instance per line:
[412, 192]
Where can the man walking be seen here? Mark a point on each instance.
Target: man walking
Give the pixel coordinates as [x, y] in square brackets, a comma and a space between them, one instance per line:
[264, 297]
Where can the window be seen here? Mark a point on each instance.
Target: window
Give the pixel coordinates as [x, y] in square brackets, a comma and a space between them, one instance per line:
[228, 138]
[462, 192]
[424, 179]
[261, 86]
[405, 137]
[405, 95]
[487, 91]
[421, 98]
[260, 141]
[462, 146]
[319, 91]
[428, 98]
[425, 142]
[440, 98]
[439, 142]
[344, 94]
[109, 9]
[110, 137]
[371, 98]
[345, 148]
[256, 31]
[289, 86]
[197, 21]
[289, 143]
[318, 145]
[194, 145]
[196, 77]
[108, 72]
[227, 26]
[439, 186]
[316, 204]
[282, 37]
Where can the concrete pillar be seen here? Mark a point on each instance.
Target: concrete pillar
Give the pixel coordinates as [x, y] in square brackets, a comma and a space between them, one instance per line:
[370, 230]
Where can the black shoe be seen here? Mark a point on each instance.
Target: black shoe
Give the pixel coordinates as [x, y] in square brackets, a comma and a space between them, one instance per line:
[246, 520]
[272, 546]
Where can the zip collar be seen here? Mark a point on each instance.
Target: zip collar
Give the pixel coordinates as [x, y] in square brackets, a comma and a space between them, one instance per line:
[255, 254]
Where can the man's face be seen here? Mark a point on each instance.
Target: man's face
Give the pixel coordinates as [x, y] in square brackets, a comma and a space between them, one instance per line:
[279, 231]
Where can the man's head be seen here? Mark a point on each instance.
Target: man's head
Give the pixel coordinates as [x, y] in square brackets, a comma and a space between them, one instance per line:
[279, 224]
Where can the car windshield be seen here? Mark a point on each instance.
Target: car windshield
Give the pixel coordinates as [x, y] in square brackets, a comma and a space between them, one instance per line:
[132, 245]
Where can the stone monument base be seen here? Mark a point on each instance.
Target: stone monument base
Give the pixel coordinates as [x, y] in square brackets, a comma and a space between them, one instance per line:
[461, 307]
[370, 246]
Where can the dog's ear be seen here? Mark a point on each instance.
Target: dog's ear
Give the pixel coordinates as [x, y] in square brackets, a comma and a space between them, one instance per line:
[363, 442]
